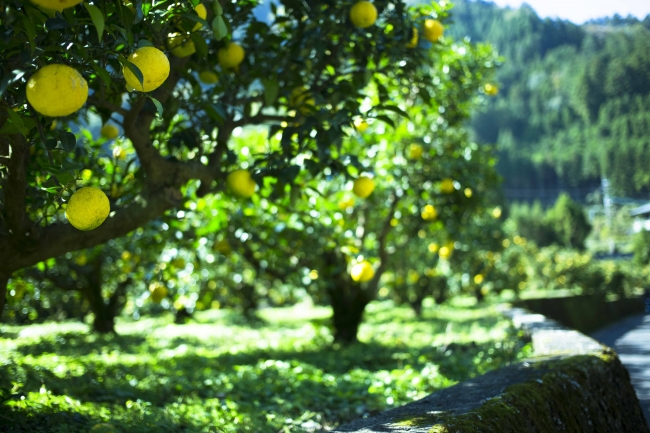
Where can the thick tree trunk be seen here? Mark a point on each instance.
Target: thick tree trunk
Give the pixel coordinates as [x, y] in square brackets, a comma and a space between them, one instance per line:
[4, 279]
[416, 306]
[105, 313]
[348, 306]
[478, 294]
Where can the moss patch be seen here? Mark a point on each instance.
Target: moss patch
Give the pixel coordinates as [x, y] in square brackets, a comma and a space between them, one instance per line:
[579, 394]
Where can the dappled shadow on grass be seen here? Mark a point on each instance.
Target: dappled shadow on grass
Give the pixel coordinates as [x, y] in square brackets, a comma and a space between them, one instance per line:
[192, 375]
[74, 344]
[259, 374]
[30, 422]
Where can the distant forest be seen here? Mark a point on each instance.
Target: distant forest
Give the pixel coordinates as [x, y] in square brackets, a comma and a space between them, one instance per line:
[574, 101]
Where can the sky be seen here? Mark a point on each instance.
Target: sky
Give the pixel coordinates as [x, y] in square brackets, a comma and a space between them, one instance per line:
[579, 11]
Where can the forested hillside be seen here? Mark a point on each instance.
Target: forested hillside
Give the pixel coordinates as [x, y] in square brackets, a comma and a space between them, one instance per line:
[574, 101]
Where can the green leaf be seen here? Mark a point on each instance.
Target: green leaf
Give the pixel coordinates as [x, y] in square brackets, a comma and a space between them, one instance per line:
[103, 74]
[218, 10]
[133, 68]
[10, 127]
[68, 165]
[271, 90]
[68, 140]
[139, 15]
[200, 44]
[144, 43]
[219, 28]
[30, 29]
[158, 105]
[394, 109]
[98, 19]
[56, 24]
[192, 16]
[215, 112]
[385, 119]
[17, 121]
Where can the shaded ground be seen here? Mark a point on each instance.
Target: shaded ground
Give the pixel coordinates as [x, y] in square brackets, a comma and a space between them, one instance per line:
[218, 374]
[630, 338]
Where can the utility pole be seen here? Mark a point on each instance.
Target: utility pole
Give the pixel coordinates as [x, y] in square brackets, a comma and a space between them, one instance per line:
[607, 204]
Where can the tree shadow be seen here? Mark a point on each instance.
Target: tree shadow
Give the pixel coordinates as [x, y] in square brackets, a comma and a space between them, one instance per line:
[74, 343]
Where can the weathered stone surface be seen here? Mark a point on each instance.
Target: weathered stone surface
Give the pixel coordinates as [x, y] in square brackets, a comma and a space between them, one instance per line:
[574, 384]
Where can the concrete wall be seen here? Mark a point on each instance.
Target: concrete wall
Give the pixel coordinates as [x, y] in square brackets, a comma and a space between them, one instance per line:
[585, 313]
[572, 384]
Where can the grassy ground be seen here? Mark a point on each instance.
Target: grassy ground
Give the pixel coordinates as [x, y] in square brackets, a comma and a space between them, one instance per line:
[219, 374]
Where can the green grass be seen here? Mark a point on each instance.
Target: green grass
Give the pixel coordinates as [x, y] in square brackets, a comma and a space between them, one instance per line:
[220, 374]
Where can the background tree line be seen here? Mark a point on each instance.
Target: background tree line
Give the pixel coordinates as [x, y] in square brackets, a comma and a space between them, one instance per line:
[574, 102]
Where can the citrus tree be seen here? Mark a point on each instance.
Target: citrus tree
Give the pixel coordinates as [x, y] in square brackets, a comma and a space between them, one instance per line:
[410, 184]
[176, 78]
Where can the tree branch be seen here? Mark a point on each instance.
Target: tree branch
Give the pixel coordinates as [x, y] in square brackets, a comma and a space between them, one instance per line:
[58, 239]
[383, 253]
[137, 126]
[214, 159]
[260, 118]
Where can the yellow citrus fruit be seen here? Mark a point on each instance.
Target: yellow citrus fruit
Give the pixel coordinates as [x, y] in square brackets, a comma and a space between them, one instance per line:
[444, 252]
[56, 5]
[363, 14]
[447, 186]
[180, 45]
[468, 192]
[109, 131]
[179, 263]
[302, 99]
[57, 90]
[231, 55]
[116, 191]
[88, 208]
[208, 77]
[241, 183]
[433, 30]
[433, 247]
[157, 292]
[126, 255]
[491, 89]
[496, 213]
[478, 279]
[361, 125]
[363, 186]
[362, 272]
[202, 12]
[429, 213]
[119, 153]
[223, 247]
[415, 151]
[414, 39]
[103, 428]
[81, 259]
[346, 203]
[154, 66]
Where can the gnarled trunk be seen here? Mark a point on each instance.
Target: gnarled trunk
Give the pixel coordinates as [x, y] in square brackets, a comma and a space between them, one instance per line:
[348, 305]
[105, 312]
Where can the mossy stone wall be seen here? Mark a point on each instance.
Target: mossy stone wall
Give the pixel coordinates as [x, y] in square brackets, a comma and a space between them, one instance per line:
[585, 313]
[573, 384]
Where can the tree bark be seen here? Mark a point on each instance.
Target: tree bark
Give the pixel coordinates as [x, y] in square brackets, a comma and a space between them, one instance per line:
[4, 279]
[347, 313]
[105, 312]
[478, 294]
